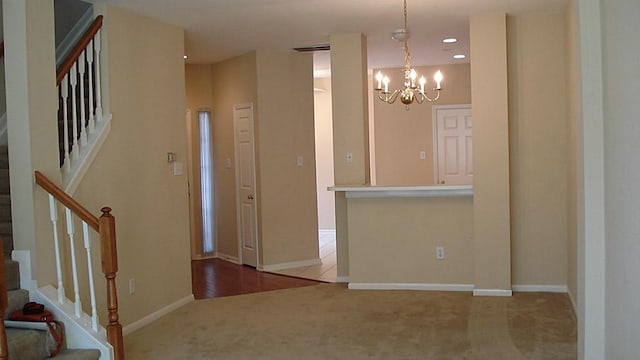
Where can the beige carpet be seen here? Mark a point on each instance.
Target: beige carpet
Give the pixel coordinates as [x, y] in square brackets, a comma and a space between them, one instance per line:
[330, 322]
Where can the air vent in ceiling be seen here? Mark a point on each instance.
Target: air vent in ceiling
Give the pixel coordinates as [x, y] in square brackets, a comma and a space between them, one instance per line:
[313, 48]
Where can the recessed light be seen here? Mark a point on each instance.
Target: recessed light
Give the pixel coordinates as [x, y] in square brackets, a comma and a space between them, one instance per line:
[459, 56]
[449, 40]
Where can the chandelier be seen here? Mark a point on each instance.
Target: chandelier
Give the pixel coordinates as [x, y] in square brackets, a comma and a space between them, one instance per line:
[411, 91]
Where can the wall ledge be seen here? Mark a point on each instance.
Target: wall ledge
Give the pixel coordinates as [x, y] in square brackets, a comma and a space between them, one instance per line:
[364, 191]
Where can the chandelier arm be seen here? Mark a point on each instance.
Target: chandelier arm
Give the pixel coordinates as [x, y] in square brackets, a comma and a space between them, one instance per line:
[389, 99]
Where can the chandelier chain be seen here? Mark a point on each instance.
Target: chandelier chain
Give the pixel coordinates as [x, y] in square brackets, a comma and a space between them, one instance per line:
[407, 54]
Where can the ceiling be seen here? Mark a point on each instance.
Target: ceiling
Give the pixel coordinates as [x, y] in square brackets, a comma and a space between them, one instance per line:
[220, 29]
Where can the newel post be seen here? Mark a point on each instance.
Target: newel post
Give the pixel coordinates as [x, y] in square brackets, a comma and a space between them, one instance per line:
[107, 226]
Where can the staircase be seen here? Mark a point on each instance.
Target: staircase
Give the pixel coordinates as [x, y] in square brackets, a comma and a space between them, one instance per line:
[24, 344]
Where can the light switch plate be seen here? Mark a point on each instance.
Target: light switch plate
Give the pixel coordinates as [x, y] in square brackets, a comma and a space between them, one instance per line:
[178, 168]
[423, 155]
[300, 160]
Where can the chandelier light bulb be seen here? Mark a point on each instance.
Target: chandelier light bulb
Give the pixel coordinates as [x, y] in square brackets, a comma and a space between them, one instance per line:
[422, 82]
[379, 79]
[438, 78]
[385, 80]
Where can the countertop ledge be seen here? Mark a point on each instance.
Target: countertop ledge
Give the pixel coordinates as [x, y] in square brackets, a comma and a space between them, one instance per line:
[363, 191]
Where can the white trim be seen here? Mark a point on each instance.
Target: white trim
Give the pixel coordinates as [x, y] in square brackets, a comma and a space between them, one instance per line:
[329, 232]
[233, 259]
[342, 279]
[410, 286]
[574, 304]
[156, 315]
[434, 132]
[290, 265]
[492, 292]
[540, 288]
[72, 178]
[4, 140]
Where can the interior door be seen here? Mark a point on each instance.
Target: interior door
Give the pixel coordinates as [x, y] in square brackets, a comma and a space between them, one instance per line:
[455, 145]
[245, 180]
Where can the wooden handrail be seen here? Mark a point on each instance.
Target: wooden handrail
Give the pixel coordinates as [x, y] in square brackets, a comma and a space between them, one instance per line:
[68, 62]
[67, 201]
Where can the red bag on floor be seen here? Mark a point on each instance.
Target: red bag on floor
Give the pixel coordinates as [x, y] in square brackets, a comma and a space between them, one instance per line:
[34, 312]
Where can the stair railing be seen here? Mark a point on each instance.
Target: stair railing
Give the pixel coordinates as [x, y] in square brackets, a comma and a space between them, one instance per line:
[81, 66]
[105, 226]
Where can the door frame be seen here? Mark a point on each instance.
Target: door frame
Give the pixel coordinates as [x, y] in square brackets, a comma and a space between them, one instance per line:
[434, 132]
[237, 182]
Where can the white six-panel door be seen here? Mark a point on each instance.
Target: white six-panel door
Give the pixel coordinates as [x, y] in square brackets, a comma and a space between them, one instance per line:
[245, 181]
[454, 145]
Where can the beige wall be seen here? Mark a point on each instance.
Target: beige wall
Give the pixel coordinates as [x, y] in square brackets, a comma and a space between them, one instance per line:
[572, 148]
[393, 240]
[538, 144]
[31, 106]
[285, 130]
[131, 175]
[400, 135]
[324, 153]
[492, 253]
[235, 83]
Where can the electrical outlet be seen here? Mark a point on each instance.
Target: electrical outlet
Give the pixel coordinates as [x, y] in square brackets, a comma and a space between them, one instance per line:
[423, 155]
[300, 160]
[132, 286]
[440, 252]
[349, 157]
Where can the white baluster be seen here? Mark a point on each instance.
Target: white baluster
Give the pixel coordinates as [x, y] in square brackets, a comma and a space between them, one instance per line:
[53, 212]
[82, 62]
[96, 47]
[92, 110]
[65, 120]
[76, 290]
[74, 102]
[92, 291]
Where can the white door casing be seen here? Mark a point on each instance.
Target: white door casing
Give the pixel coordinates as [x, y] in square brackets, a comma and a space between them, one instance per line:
[453, 144]
[245, 184]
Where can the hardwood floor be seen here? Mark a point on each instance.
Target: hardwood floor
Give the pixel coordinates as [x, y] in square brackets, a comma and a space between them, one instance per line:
[216, 278]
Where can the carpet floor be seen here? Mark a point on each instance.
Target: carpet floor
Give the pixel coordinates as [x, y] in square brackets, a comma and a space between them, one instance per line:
[330, 322]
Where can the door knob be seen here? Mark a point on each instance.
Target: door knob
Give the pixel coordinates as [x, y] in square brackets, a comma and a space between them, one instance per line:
[250, 197]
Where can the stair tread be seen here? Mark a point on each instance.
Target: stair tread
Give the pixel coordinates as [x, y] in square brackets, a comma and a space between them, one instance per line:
[26, 344]
[16, 300]
[79, 354]
[12, 274]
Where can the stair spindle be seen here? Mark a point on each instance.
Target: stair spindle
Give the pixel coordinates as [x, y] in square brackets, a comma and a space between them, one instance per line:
[74, 114]
[92, 290]
[53, 213]
[83, 103]
[92, 110]
[74, 269]
[97, 48]
[64, 87]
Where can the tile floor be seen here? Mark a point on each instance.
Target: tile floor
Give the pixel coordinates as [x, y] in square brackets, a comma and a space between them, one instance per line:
[327, 271]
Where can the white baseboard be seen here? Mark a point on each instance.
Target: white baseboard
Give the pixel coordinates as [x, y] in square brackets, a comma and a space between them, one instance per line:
[411, 286]
[574, 304]
[233, 259]
[540, 288]
[492, 292]
[342, 279]
[290, 265]
[156, 315]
